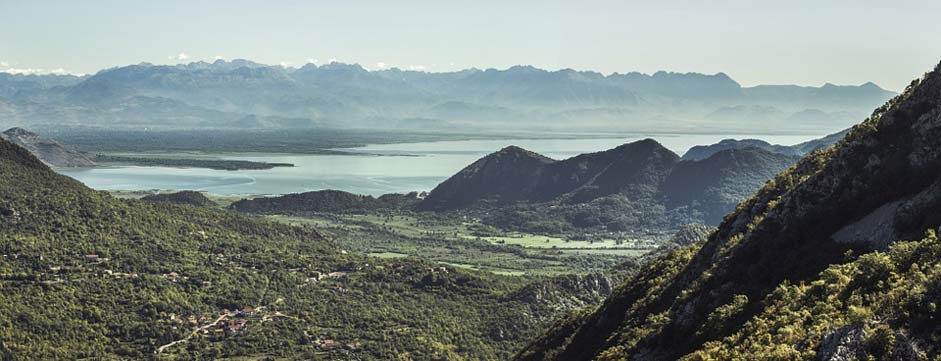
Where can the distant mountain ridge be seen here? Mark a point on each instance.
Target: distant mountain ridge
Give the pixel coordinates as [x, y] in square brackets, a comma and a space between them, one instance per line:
[245, 94]
[700, 152]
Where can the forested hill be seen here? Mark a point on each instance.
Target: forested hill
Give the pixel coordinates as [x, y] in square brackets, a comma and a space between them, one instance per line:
[701, 152]
[323, 201]
[792, 273]
[192, 198]
[86, 275]
[633, 186]
[515, 174]
[713, 186]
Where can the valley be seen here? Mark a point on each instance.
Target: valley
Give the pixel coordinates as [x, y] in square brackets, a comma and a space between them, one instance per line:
[479, 238]
[501, 229]
[470, 181]
[459, 244]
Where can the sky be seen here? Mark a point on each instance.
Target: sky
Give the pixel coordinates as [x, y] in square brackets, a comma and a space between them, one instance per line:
[755, 42]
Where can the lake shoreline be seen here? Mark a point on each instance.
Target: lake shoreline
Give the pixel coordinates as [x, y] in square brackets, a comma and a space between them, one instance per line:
[398, 168]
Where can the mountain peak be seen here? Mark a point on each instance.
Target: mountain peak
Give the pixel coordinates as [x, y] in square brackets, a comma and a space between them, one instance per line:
[870, 85]
[513, 149]
[517, 153]
[643, 146]
[19, 132]
[529, 69]
[502, 176]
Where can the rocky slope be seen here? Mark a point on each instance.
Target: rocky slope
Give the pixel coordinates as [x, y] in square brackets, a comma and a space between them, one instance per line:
[773, 282]
[49, 151]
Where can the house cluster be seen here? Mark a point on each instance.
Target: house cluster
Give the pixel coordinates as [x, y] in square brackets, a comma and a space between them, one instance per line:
[231, 326]
[119, 275]
[231, 322]
[193, 321]
[443, 270]
[318, 276]
[329, 344]
[93, 258]
[172, 276]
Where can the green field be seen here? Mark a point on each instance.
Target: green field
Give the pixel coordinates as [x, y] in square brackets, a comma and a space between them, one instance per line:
[388, 255]
[459, 241]
[453, 241]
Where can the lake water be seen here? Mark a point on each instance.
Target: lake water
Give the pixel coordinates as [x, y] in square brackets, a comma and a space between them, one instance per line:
[404, 167]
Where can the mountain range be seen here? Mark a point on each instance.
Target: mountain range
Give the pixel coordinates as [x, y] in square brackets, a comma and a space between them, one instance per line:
[244, 94]
[836, 258]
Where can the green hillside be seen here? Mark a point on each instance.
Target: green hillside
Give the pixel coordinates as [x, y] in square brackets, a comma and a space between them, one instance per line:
[85, 275]
[801, 270]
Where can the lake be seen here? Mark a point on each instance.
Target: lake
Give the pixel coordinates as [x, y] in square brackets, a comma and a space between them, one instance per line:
[398, 167]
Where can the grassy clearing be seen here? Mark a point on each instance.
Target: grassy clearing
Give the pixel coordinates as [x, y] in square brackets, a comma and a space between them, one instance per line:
[500, 271]
[387, 255]
[412, 226]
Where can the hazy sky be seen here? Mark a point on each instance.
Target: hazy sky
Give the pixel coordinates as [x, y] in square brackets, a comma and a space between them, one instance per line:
[755, 42]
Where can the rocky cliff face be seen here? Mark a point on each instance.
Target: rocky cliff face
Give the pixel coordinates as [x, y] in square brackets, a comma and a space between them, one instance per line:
[567, 292]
